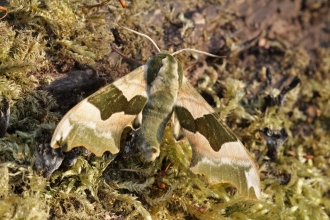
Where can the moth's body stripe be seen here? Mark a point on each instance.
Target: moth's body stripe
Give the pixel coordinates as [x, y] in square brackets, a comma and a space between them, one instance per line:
[167, 79]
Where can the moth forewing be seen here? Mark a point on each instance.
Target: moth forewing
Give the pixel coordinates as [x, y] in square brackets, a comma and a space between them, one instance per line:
[217, 152]
[97, 122]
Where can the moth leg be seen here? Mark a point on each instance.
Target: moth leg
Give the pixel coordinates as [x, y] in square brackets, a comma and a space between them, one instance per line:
[178, 131]
[137, 121]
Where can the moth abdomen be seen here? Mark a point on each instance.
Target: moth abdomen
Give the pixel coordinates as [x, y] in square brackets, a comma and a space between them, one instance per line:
[154, 119]
[162, 94]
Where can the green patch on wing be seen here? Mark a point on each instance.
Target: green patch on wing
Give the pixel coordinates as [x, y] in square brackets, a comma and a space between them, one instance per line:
[111, 100]
[208, 125]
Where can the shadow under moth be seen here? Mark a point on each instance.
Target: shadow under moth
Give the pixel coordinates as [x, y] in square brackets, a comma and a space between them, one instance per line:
[155, 92]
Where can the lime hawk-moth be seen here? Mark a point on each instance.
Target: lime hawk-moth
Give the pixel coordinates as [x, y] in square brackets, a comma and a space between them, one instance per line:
[156, 91]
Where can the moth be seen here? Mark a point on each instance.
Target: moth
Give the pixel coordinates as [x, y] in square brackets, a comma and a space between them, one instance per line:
[156, 91]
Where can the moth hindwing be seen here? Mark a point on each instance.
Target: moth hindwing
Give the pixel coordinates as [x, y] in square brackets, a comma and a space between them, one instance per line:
[157, 90]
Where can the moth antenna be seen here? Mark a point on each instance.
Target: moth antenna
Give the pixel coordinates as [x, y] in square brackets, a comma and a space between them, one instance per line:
[128, 59]
[143, 35]
[5, 10]
[196, 51]
[123, 3]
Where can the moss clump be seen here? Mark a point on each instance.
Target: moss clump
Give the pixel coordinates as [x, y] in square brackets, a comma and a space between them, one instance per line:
[37, 37]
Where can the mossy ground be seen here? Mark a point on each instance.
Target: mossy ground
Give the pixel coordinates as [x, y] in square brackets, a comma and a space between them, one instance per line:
[40, 40]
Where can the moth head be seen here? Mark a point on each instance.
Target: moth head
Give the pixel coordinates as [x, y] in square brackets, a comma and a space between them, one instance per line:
[155, 64]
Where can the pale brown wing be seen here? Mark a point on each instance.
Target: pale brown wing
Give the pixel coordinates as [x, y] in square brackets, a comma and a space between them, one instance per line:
[97, 122]
[217, 152]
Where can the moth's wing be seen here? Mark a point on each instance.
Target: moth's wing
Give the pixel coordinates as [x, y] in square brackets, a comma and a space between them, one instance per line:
[97, 122]
[217, 152]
